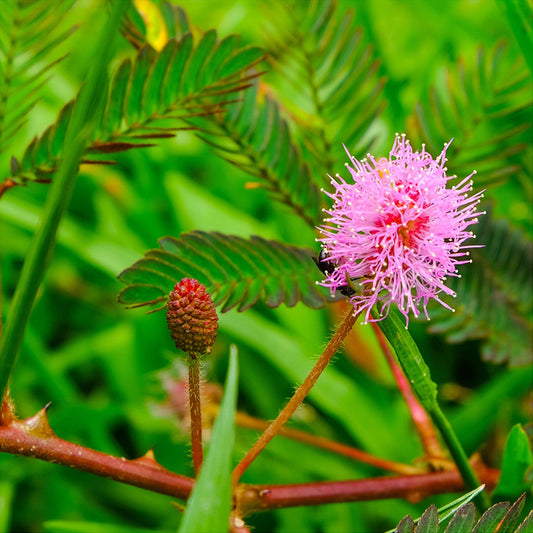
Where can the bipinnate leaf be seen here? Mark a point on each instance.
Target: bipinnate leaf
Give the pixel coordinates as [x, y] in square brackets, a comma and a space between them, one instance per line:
[150, 98]
[494, 295]
[209, 506]
[486, 108]
[31, 33]
[323, 54]
[237, 272]
[256, 138]
[500, 518]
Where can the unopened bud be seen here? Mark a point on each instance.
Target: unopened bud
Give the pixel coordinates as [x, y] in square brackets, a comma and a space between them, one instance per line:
[192, 318]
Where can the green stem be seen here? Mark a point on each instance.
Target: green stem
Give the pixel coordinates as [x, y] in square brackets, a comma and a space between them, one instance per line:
[419, 376]
[43, 243]
[459, 455]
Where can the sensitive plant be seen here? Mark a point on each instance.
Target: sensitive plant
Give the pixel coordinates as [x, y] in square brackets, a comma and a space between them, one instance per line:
[397, 235]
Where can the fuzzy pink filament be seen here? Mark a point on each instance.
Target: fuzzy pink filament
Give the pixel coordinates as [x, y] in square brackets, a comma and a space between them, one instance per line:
[397, 232]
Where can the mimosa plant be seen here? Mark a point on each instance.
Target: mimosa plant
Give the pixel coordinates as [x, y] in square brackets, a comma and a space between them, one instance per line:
[392, 236]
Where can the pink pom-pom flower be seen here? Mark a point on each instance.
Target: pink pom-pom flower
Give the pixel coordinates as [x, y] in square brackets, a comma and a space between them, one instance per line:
[397, 232]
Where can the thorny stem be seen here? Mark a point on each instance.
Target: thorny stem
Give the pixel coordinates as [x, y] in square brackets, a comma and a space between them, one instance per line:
[245, 420]
[195, 411]
[298, 397]
[422, 421]
[33, 437]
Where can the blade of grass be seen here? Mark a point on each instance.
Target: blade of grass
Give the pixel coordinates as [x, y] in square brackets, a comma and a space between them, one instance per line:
[209, 506]
[43, 243]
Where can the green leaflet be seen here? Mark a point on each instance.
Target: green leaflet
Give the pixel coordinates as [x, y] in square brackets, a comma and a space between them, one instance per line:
[517, 465]
[481, 107]
[429, 521]
[494, 295]
[500, 517]
[149, 98]
[237, 272]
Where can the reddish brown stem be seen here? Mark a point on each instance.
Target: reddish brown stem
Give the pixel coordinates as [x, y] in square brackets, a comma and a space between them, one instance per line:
[298, 397]
[31, 438]
[422, 421]
[245, 420]
[195, 410]
[253, 498]
[34, 438]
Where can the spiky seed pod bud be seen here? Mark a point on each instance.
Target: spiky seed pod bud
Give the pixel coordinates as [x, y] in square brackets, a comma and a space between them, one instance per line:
[192, 318]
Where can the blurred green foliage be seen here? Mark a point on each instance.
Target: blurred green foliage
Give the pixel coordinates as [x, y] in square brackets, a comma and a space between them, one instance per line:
[101, 365]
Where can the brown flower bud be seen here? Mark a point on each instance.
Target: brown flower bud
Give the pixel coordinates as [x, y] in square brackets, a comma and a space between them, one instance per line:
[192, 318]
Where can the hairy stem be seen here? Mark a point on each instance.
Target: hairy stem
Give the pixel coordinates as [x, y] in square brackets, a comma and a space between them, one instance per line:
[298, 397]
[422, 421]
[195, 410]
[247, 421]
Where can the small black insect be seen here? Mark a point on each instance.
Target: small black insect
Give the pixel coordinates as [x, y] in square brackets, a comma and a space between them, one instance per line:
[326, 267]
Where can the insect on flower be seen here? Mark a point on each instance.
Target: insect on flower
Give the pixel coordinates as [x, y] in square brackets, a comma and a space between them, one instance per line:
[327, 267]
[396, 233]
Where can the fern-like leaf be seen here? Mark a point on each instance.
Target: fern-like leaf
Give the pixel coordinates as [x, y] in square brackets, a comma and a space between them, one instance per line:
[237, 272]
[323, 53]
[487, 110]
[494, 295]
[252, 134]
[30, 33]
[501, 518]
[256, 138]
[149, 99]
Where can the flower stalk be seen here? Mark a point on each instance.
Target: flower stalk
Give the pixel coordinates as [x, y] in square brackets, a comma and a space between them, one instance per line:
[195, 410]
[303, 390]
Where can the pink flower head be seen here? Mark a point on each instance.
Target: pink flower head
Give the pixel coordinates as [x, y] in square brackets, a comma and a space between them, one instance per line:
[397, 232]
